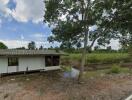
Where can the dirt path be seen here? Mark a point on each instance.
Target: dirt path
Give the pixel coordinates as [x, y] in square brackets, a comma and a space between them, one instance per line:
[53, 87]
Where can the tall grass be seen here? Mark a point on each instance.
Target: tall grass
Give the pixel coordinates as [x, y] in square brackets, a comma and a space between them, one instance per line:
[98, 58]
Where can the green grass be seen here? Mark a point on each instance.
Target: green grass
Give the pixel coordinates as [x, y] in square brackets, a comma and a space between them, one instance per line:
[99, 73]
[115, 69]
[98, 58]
[95, 73]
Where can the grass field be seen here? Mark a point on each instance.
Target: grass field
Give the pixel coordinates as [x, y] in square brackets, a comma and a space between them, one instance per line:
[98, 58]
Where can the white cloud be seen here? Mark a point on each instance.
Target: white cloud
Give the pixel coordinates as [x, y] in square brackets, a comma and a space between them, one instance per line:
[28, 10]
[0, 23]
[15, 43]
[37, 35]
[4, 1]
[25, 10]
[93, 28]
[4, 9]
[21, 43]
[114, 44]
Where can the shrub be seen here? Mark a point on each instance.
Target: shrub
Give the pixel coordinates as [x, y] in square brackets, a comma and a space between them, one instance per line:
[115, 69]
[66, 68]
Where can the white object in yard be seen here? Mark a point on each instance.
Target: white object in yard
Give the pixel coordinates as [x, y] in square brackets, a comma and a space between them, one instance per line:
[74, 73]
[12, 79]
[129, 98]
[27, 79]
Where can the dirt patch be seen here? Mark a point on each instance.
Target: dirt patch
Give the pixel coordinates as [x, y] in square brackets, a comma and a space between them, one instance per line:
[51, 86]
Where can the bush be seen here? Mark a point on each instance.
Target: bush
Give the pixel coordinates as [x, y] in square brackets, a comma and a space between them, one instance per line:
[115, 69]
[66, 68]
[96, 58]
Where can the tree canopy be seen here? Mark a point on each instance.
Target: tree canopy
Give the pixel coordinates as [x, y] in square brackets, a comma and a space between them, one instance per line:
[120, 19]
[71, 18]
[3, 46]
[32, 45]
[71, 21]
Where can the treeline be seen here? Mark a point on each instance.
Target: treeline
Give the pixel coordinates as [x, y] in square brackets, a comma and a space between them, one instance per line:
[32, 46]
[74, 50]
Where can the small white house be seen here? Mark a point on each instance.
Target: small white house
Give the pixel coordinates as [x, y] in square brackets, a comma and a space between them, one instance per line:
[29, 60]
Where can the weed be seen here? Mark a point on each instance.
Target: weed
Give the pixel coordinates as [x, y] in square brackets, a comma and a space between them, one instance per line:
[115, 69]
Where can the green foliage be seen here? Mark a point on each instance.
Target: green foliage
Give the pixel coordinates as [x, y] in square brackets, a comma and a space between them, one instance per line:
[32, 45]
[71, 20]
[41, 47]
[130, 46]
[115, 69]
[3, 46]
[66, 68]
[21, 48]
[130, 52]
[97, 58]
[121, 19]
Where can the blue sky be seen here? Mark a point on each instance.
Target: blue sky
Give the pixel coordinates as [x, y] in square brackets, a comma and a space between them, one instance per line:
[20, 24]
[21, 21]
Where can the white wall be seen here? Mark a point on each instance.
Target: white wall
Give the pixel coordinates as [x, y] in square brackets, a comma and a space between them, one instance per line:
[33, 63]
[3, 64]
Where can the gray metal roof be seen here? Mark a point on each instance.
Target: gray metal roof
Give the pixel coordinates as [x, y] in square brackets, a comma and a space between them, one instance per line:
[12, 52]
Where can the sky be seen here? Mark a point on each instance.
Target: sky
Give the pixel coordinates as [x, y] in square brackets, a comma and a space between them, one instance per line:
[21, 21]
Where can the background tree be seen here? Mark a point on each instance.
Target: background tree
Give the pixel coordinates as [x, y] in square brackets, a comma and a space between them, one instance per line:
[96, 48]
[41, 47]
[20, 48]
[32, 45]
[3, 46]
[118, 17]
[78, 45]
[109, 48]
[71, 20]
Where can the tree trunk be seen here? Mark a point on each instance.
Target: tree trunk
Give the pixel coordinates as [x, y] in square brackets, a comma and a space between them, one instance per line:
[83, 56]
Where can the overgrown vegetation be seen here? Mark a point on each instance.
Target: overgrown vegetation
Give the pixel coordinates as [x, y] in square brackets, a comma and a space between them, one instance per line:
[66, 68]
[97, 58]
[115, 69]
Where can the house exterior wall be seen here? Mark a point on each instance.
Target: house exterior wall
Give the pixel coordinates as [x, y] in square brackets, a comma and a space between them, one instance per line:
[32, 63]
[3, 64]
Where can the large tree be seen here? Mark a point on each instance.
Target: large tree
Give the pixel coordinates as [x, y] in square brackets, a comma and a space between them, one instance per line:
[3, 46]
[71, 21]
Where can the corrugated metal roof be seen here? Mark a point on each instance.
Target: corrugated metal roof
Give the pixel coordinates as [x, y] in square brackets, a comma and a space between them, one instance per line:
[8, 52]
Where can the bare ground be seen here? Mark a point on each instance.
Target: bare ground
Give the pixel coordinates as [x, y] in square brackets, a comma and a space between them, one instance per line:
[45, 86]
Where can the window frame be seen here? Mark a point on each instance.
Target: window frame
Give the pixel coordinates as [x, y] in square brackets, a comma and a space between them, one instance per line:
[13, 61]
[52, 58]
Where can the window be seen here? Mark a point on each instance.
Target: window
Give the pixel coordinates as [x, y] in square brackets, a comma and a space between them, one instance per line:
[56, 60]
[52, 60]
[12, 61]
[48, 60]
